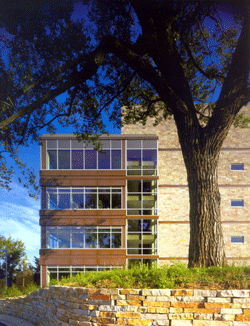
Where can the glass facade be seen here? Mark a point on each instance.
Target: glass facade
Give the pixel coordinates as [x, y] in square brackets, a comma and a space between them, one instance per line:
[84, 198]
[142, 237]
[83, 237]
[142, 157]
[142, 197]
[74, 155]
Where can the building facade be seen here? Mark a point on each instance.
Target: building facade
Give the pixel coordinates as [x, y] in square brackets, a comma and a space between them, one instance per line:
[129, 202]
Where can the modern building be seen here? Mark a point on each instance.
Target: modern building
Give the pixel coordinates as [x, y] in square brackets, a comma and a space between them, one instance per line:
[129, 202]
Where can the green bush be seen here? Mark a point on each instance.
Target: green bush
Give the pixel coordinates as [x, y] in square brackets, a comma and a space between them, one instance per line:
[178, 275]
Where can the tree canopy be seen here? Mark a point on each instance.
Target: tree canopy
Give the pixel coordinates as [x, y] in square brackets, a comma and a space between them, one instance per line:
[16, 257]
[154, 58]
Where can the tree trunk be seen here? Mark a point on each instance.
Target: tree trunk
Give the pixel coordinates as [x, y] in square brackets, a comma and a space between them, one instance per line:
[206, 246]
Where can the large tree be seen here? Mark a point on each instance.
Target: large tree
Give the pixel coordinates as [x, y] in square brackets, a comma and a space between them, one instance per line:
[155, 58]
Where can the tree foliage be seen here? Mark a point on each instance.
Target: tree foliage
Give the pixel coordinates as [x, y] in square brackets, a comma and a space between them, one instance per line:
[16, 257]
[152, 58]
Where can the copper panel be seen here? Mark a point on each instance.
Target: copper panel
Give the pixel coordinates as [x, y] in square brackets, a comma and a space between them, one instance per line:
[82, 221]
[64, 257]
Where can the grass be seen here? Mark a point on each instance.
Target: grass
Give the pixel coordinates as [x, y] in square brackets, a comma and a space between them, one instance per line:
[166, 277]
[14, 291]
[175, 276]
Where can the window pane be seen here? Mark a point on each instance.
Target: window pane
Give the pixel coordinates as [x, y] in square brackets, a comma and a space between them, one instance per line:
[238, 239]
[149, 159]
[116, 240]
[52, 160]
[90, 201]
[77, 159]
[52, 201]
[51, 239]
[63, 238]
[76, 144]
[116, 144]
[237, 203]
[134, 201]
[63, 160]
[116, 159]
[134, 185]
[51, 143]
[104, 240]
[91, 238]
[104, 160]
[149, 143]
[77, 240]
[149, 201]
[63, 143]
[134, 143]
[134, 225]
[237, 167]
[105, 143]
[104, 201]
[150, 186]
[77, 201]
[133, 159]
[90, 159]
[116, 201]
[64, 201]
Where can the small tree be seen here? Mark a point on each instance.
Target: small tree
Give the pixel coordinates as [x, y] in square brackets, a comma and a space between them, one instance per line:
[16, 257]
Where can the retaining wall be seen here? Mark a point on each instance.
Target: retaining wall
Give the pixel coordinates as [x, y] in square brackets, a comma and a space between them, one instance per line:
[87, 307]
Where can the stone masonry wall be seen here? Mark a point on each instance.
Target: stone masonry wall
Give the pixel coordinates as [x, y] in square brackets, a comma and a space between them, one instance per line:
[88, 307]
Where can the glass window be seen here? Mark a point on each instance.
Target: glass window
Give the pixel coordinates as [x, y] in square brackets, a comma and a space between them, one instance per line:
[134, 143]
[64, 201]
[237, 167]
[133, 158]
[90, 200]
[90, 159]
[149, 161]
[149, 143]
[77, 159]
[77, 201]
[52, 143]
[116, 159]
[52, 200]
[91, 238]
[104, 238]
[237, 239]
[104, 160]
[104, 199]
[116, 143]
[142, 197]
[116, 201]
[63, 235]
[237, 203]
[63, 159]
[63, 143]
[52, 160]
[77, 238]
[76, 144]
[142, 237]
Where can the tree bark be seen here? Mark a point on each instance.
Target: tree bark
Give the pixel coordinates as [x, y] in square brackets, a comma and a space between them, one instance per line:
[206, 246]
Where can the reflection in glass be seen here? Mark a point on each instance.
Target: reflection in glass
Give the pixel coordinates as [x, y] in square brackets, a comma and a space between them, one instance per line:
[52, 160]
[64, 201]
[104, 240]
[63, 159]
[104, 160]
[116, 159]
[77, 159]
[91, 238]
[90, 159]
[90, 201]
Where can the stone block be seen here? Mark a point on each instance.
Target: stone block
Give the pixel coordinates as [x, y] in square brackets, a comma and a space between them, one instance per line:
[182, 292]
[233, 293]
[211, 323]
[180, 316]
[181, 322]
